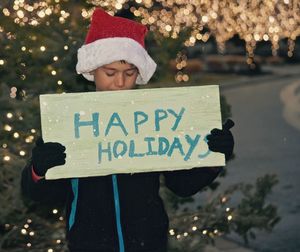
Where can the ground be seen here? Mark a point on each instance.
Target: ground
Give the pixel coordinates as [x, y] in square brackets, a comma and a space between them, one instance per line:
[267, 136]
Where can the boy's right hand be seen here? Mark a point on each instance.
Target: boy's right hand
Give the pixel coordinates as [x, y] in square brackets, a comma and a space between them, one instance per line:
[47, 155]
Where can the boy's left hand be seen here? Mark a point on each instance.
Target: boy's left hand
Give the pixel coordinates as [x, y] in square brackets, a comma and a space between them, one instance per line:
[222, 140]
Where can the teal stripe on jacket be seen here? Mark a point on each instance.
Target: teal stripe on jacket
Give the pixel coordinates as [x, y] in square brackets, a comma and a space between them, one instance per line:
[74, 202]
[118, 213]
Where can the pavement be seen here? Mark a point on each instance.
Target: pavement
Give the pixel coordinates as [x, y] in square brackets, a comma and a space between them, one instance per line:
[223, 244]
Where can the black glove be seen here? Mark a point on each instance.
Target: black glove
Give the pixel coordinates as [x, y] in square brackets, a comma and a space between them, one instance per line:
[47, 155]
[222, 140]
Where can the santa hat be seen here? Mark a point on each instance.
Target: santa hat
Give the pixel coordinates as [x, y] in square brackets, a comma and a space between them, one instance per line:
[111, 39]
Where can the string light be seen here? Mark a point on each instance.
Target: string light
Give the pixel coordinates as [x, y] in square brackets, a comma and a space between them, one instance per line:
[29, 139]
[229, 217]
[6, 158]
[20, 13]
[16, 135]
[223, 199]
[6, 12]
[7, 127]
[171, 232]
[9, 115]
[22, 153]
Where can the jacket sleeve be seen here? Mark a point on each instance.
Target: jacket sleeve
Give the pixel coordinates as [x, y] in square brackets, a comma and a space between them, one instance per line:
[44, 191]
[185, 183]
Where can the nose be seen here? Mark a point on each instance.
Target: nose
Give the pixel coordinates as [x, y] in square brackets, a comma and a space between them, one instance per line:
[120, 80]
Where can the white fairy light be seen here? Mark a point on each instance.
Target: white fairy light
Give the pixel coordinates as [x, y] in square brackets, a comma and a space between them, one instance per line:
[171, 232]
[7, 127]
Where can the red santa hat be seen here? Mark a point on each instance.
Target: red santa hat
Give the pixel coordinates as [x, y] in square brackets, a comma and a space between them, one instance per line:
[111, 39]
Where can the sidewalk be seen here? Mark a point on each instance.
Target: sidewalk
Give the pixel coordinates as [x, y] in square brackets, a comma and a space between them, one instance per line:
[224, 245]
[272, 73]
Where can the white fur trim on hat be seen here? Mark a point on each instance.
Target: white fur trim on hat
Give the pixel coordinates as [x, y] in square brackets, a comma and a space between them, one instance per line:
[105, 51]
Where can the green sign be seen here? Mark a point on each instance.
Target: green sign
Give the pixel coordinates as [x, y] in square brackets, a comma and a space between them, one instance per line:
[132, 131]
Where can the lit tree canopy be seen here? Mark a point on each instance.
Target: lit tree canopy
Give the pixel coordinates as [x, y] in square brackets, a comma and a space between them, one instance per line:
[252, 21]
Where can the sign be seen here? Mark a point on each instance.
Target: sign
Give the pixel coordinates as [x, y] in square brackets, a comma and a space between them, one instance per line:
[132, 131]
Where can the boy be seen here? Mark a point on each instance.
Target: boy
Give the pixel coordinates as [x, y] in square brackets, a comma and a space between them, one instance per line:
[117, 212]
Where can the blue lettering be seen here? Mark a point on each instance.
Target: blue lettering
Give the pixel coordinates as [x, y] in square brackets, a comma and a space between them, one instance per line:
[93, 123]
[119, 123]
[101, 150]
[192, 143]
[163, 145]
[204, 155]
[150, 151]
[123, 150]
[160, 114]
[176, 144]
[177, 116]
[132, 150]
[139, 122]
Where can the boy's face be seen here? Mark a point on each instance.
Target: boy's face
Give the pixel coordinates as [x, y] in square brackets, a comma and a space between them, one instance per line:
[118, 75]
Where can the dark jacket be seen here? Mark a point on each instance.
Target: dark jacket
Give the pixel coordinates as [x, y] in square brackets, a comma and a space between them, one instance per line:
[121, 212]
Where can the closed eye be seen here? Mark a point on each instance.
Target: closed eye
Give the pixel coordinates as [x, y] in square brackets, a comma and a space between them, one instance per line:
[110, 74]
[131, 72]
